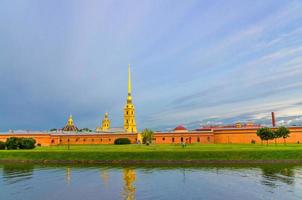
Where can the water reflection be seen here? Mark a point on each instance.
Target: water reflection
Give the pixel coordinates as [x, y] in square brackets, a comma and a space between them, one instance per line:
[277, 174]
[104, 176]
[129, 183]
[68, 175]
[17, 173]
[129, 179]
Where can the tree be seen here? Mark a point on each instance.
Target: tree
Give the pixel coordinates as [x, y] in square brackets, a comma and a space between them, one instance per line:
[147, 135]
[27, 143]
[85, 130]
[20, 143]
[12, 143]
[282, 132]
[2, 145]
[265, 133]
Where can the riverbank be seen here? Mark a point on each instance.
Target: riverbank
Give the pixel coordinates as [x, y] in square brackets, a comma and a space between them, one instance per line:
[157, 154]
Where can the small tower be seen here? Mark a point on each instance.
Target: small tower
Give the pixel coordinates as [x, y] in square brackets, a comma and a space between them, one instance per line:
[106, 123]
[70, 125]
[129, 110]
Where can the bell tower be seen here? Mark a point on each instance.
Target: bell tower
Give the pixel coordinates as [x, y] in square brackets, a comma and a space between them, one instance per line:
[106, 123]
[129, 110]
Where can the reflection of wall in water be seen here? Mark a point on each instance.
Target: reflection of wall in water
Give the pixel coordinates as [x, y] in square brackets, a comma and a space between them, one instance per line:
[272, 175]
[17, 173]
[104, 176]
[68, 175]
[129, 179]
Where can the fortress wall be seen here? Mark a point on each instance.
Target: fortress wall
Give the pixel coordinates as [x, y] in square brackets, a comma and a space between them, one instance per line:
[47, 139]
[188, 137]
[91, 138]
[246, 135]
[218, 136]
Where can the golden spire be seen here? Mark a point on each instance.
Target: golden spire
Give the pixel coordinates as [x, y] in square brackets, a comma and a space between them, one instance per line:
[129, 98]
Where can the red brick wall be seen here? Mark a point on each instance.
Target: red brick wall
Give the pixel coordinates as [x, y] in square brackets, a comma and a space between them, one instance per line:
[188, 137]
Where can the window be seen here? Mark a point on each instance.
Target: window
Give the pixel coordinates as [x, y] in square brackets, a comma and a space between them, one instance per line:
[92, 140]
[109, 139]
[84, 140]
[209, 139]
[52, 141]
[198, 139]
[172, 139]
[101, 140]
[77, 140]
[181, 139]
[163, 139]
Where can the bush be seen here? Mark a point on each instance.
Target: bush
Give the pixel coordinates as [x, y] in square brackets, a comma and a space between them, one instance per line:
[12, 143]
[20, 143]
[2, 145]
[122, 141]
[253, 142]
[27, 143]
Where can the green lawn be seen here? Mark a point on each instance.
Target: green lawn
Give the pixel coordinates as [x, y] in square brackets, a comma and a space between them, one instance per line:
[158, 152]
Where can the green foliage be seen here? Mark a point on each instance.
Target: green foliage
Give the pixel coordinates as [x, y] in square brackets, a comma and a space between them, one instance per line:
[147, 135]
[85, 130]
[265, 133]
[27, 143]
[2, 145]
[122, 141]
[53, 130]
[12, 143]
[20, 143]
[282, 132]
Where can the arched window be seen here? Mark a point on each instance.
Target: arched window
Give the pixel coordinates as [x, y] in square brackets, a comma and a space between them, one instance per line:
[173, 139]
[163, 139]
[181, 139]
[198, 139]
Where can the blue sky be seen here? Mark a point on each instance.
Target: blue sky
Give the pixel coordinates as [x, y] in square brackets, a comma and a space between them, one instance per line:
[193, 62]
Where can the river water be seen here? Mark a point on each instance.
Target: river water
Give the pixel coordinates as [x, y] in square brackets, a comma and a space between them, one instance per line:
[50, 182]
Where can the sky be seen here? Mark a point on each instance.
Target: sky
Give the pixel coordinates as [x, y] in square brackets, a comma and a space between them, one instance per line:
[192, 62]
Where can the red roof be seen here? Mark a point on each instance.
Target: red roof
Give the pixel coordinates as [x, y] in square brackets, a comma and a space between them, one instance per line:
[180, 128]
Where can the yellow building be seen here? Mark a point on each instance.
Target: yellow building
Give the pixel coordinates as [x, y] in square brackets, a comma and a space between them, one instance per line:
[129, 110]
[105, 124]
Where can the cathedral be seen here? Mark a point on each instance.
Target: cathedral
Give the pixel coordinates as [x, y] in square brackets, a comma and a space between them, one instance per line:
[129, 116]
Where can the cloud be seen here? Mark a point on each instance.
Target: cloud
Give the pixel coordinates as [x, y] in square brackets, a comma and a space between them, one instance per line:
[190, 61]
